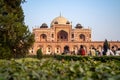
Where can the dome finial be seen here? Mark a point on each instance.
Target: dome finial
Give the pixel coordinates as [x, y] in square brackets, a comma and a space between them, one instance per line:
[60, 14]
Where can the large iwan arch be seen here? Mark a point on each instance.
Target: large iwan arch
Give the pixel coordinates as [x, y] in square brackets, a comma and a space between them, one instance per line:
[62, 36]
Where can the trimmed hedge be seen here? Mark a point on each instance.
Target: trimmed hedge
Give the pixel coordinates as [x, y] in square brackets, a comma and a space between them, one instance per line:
[80, 58]
[95, 58]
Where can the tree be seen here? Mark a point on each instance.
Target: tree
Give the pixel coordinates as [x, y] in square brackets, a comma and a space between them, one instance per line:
[106, 46]
[14, 34]
[39, 53]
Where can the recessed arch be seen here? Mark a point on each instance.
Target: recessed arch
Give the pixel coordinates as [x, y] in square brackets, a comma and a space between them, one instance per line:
[62, 36]
[58, 49]
[43, 37]
[49, 49]
[66, 49]
[82, 37]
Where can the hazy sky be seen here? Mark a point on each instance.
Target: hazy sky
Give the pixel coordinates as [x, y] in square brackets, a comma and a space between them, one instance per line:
[102, 16]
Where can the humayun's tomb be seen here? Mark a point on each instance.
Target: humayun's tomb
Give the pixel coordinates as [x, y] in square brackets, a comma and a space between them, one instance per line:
[61, 37]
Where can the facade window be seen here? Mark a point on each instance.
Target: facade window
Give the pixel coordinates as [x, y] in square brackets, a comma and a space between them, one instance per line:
[61, 37]
[55, 22]
[74, 48]
[52, 35]
[48, 49]
[72, 35]
[67, 22]
[43, 36]
[90, 35]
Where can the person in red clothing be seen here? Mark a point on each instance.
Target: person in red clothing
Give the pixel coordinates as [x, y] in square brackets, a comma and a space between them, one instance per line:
[82, 50]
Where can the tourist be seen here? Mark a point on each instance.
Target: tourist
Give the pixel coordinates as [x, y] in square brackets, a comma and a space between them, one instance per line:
[82, 50]
[98, 52]
[93, 52]
[113, 50]
[118, 52]
[89, 53]
[109, 52]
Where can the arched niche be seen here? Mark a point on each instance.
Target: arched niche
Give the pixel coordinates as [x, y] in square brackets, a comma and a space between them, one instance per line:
[82, 37]
[43, 37]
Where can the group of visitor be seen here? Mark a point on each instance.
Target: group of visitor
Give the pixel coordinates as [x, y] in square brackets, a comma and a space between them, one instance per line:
[95, 52]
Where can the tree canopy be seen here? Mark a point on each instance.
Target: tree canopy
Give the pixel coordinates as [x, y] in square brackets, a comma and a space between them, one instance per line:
[15, 37]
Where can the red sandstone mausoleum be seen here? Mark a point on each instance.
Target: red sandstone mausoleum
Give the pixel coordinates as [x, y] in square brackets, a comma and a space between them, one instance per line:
[61, 36]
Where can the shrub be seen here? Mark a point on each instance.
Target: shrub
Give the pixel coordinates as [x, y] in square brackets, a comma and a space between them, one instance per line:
[52, 69]
[5, 53]
[39, 54]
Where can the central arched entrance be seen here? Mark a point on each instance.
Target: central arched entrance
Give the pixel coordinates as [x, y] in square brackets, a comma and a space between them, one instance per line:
[62, 36]
[66, 49]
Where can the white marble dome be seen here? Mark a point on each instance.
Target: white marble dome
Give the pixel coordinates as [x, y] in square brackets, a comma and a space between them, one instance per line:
[60, 20]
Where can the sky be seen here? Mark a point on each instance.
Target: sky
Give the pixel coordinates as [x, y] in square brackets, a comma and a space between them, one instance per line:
[102, 16]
